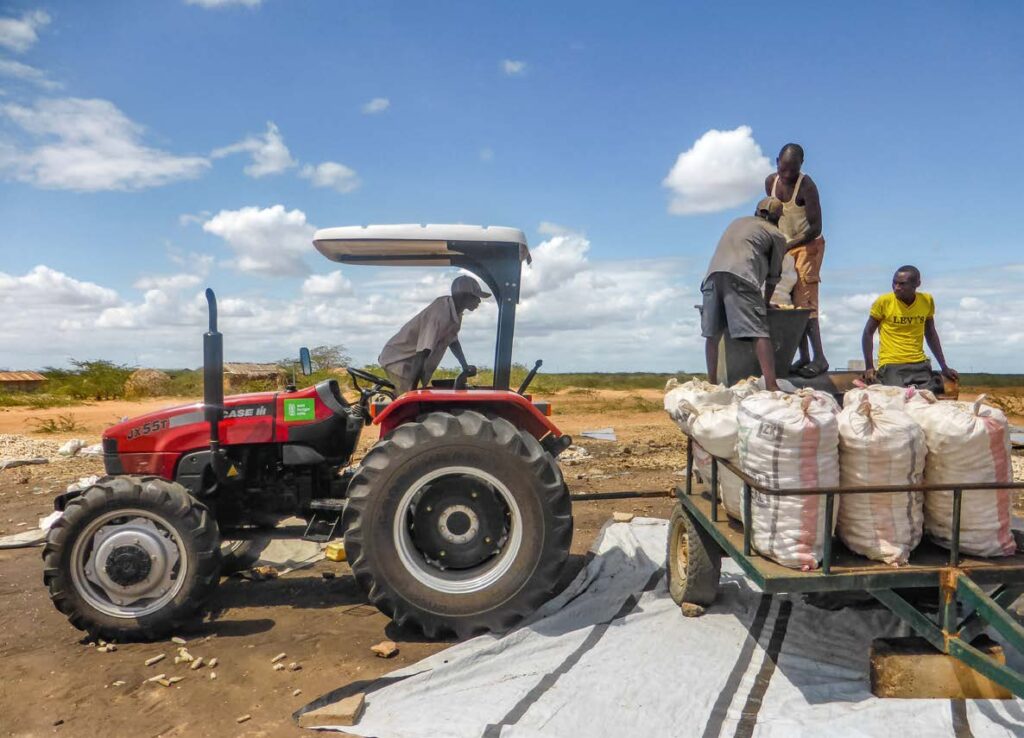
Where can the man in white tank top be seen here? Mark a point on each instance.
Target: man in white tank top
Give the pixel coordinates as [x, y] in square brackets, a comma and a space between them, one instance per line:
[801, 224]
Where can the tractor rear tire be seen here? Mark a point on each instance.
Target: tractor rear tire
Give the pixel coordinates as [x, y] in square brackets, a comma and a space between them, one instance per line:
[694, 560]
[132, 558]
[458, 523]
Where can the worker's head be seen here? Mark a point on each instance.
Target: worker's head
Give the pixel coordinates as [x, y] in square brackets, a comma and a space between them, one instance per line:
[789, 161]
[467, 293]
[905, 282]
[770, 208]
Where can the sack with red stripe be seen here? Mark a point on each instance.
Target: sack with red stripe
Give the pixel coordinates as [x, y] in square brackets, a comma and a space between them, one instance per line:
[790, 442]
[967, 442]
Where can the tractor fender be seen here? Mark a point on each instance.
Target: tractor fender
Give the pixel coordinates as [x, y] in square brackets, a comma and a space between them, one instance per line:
[511, 406]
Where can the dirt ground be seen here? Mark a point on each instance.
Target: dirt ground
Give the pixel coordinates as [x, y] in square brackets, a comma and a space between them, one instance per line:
[53, 683]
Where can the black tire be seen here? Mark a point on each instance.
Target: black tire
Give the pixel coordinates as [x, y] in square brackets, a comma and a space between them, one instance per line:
[401, 580]
[694, 560]
[195, 547]
[238, 556]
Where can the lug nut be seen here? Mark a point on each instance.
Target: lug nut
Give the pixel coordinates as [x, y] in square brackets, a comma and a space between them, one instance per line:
[473, 495]
[487, 539]
[442, 554]
[430, 509]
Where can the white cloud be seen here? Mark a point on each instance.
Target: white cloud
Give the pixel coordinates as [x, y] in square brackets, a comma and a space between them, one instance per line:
[269, 153]
[224, 3]
[48, 286]
[269, 241]
[332, 174]
[723, 169]
[376, 105]
[91, 146]
[547, 228]
[513, 68]
[167, 283]
[17, 70]
[333, 283]
[20, 34]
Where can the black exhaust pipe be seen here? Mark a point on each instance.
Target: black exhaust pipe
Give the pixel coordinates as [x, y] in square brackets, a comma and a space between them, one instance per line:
[213, 383]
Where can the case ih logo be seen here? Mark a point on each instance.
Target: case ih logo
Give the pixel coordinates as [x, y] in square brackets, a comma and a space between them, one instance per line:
[247, 411]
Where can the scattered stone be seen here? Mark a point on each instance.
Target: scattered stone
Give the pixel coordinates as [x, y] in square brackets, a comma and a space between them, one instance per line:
[279, 657]
[622, 517]
[163, 682]
[156, 678]
[690, 610]
[296, 693]
[293, 666]
[213, 675]
[118, 683]
[197, 664]
[179, 640]
[185, 656]
[156, 659]
[213, 662]
[346, 712]
[175, 679]
[243, 718]
[278, 667]
[385, 649]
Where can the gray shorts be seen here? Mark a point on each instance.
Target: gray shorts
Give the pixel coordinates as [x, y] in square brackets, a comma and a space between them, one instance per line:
[918, 375]
[733, 303]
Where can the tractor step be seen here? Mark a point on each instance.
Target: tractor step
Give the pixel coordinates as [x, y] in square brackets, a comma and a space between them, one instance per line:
[325, 519]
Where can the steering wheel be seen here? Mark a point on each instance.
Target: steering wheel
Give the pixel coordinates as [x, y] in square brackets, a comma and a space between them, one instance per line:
[372, 378]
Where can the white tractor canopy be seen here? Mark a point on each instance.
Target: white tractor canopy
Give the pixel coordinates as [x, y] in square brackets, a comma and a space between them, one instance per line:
[495, 254]
[419, 245]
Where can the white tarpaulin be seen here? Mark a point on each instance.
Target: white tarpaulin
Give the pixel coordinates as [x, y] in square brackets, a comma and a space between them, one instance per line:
[612, 656]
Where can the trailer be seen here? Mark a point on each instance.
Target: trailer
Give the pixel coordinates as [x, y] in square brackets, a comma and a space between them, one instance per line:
[970, 593]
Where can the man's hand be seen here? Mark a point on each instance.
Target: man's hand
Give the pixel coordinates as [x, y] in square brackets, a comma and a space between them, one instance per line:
[870, 375]
[470, 370]
[951, 374]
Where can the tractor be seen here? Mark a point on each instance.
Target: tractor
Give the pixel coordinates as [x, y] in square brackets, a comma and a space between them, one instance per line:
[456, 521]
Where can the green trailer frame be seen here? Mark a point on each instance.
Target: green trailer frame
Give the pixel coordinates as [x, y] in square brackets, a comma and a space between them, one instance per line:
[964, 607]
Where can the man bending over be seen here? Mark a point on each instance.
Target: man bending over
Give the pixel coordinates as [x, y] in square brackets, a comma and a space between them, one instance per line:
[413, 354]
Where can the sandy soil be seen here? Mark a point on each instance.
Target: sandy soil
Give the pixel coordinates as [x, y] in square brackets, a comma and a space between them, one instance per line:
[55, 684]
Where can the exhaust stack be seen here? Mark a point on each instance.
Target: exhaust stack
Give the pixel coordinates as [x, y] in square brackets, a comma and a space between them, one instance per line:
[213, 382]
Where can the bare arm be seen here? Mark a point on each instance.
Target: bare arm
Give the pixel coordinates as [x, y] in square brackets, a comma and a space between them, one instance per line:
[459, 354]
[867, 344]
[768, 182]
[931, 336]
[812, 203]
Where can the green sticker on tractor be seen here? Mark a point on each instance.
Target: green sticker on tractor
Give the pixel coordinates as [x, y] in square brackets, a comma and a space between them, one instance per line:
[304, 409]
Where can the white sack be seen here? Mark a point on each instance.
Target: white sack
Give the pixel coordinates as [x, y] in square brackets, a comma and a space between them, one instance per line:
[886, 396]
[880, 445]
[750, 385]
[680, 399]
[967, 443]
[783, 294]
[790, 441]
[714, 430]
[72, 447]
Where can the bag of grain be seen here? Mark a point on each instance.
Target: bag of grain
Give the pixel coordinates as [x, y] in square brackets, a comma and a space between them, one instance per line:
[715, 429]
[790, 441]
[967, 442]
[884, 395]
[680, 399]
[880, 445]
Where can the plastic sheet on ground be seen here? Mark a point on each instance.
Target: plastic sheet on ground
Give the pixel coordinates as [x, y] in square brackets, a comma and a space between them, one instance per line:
[612, 656]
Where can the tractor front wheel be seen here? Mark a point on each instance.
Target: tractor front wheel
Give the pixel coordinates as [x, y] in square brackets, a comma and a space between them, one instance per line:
[131, 558]
[458, 523]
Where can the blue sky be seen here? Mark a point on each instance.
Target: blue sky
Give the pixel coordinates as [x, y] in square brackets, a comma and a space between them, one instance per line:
[144, 148]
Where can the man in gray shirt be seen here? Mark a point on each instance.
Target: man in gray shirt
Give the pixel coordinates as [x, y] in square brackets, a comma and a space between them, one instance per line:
[413, 354]
[748, 256]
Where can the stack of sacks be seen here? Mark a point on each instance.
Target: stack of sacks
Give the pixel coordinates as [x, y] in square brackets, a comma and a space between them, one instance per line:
[681, 399]
[967, 442]
[707, 412]
[790, 441]
[879, 444]
[750, 385]
[885, 396]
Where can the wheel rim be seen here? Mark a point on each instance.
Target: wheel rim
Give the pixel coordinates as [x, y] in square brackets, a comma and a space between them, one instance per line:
[459, 525]
[129, 563]
[681, 553]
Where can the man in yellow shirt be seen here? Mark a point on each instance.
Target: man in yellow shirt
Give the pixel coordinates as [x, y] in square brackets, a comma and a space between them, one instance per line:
[905, 319]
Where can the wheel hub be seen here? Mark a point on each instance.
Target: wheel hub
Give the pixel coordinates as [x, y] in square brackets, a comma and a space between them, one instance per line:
[131, 561]
[458, 523]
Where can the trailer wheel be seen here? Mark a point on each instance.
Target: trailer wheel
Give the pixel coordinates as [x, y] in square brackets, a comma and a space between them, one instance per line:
[694, 560]
[131, 558]
[458, 524]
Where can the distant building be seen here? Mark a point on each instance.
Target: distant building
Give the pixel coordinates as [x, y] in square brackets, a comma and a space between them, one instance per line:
[238, 374]
[21, 381]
